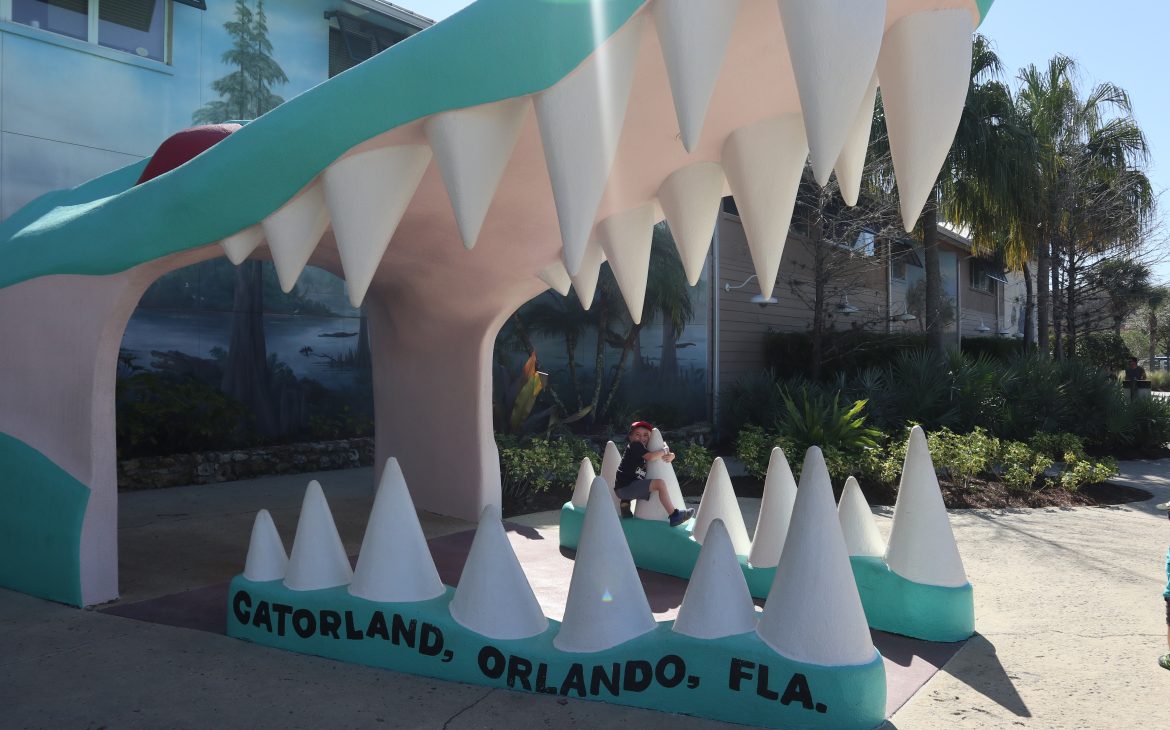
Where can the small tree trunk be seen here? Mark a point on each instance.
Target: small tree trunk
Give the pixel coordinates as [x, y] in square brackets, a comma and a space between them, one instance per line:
[1057, 313]
[1153, 328]
[245, 375]
[1029, 305]
[933, 304]
[1043, 303]
[1070, 308]
[668, 364]
[627, 348]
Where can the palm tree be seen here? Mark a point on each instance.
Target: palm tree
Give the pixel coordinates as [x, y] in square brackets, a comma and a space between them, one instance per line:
[1090, 192]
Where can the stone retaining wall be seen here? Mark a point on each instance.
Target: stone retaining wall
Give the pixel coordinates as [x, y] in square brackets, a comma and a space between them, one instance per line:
[211, 467]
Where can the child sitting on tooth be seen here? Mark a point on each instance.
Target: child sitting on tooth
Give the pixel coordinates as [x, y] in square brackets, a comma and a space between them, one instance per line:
[631, 482]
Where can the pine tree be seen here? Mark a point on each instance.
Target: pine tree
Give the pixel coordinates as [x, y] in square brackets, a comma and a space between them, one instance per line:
[246, 92]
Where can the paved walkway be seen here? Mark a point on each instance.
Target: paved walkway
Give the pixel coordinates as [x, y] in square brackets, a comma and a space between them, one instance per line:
[1068, 612]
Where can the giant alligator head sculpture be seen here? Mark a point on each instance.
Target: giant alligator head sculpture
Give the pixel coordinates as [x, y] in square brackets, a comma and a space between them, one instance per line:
[559, 131]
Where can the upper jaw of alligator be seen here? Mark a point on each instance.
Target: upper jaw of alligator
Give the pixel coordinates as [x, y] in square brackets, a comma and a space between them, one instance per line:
[683, 104]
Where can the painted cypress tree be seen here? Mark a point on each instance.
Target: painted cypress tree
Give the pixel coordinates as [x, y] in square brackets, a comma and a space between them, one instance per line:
[246, 93]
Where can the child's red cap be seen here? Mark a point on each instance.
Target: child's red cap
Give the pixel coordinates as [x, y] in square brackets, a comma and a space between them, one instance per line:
[641, 424]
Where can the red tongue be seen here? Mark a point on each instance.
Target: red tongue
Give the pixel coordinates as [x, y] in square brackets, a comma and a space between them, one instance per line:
[182, 146]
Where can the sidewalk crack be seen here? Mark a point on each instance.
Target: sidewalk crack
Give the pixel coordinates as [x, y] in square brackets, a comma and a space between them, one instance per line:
[479, 699]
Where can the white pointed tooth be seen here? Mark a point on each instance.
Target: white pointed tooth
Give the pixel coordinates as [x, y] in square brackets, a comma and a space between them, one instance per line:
[266, 557]
[472, 147]
[690, 200]
[585, 280]
[922, 545]
[557, 278]
[813, 613]
[717, 602]
[367, 195]
[318, 558]
[494, 597]
[606, 604]
[240, 245]
[610, 460]
[833, 46]
[585, 477]
[925, 69]
[694, 37]
[775, 512]
[581, 120]
[294, 231]
[395, 563]
[719, 503]
[851, 161]
[626, 237]
[763, 163]
[652, 509]
[857, 525]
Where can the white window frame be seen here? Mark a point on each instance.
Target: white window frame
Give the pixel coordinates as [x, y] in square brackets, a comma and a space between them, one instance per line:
[92, 19]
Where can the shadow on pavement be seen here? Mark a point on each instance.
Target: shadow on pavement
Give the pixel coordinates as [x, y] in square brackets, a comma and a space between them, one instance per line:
[977, 665]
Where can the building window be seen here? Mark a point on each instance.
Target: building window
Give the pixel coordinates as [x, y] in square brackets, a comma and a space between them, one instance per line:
[67, 17]
[353, 39]
[903, 254]
[984, 274]
[140, 27]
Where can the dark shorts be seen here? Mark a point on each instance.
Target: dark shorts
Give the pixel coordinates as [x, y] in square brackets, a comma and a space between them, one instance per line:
[1168, 611]
[637, 489]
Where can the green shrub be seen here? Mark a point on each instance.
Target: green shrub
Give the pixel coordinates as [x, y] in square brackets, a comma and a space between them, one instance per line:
[537, 464]
[1150, 419]
[1080, 471]
[1159, 380]
[963, 456]
[1102, 351]
[692, 462]
[160, 414]
[1058, 446]
[997, 348]
[753, 446]
[822, 420]
[1021, 466]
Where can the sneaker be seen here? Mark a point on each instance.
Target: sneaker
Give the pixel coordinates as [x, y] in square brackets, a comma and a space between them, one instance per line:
[627, 513]
[1164, 661]
[680, 516]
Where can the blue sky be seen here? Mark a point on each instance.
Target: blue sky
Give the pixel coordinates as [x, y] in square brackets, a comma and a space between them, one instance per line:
[1120, 41]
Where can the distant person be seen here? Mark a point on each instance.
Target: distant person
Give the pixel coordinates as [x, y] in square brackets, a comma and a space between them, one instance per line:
[631, 481]
[1164, 660]
[1133, 371]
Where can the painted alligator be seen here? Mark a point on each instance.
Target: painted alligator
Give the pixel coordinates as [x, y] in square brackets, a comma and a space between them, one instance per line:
[559, 132]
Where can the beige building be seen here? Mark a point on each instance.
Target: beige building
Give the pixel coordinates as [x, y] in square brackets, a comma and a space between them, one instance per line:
[873, 284]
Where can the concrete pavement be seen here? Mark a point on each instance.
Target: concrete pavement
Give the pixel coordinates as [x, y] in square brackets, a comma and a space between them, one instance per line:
[1068, 611]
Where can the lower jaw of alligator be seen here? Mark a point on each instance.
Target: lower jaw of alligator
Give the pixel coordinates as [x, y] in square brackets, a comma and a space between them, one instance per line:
[737, 678]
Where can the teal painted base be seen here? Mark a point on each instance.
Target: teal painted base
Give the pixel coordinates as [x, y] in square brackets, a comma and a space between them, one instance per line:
[900, 606]
[737, 679]
[891, 602]
[42, 509]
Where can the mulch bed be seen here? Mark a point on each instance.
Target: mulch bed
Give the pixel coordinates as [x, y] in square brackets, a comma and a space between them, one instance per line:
[978, 494]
